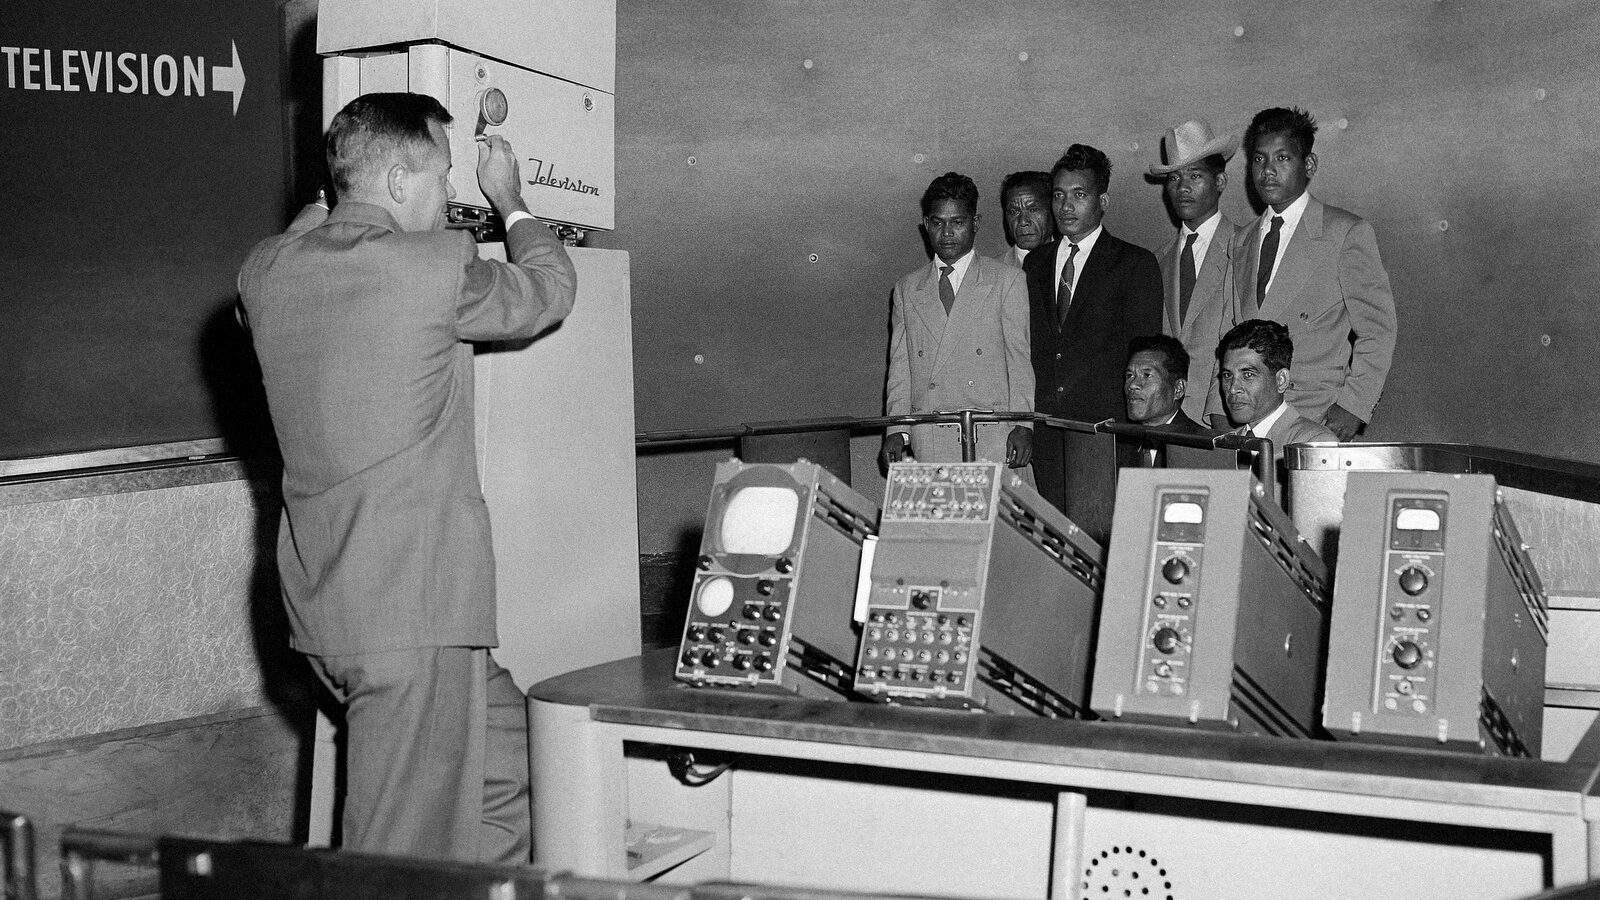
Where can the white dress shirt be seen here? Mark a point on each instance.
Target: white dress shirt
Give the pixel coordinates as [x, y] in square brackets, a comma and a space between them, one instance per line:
[1261, 428]
[960, 269]
[1206, 231]
[1085, 246]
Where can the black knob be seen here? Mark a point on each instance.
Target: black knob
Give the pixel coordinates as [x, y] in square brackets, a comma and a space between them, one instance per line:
[709, 659]
[715, 635]
[752, 611]
[747, 637]
[741, 662]
[705, 562]
[784, 565]
[1407, 655]
[769, 638]
[1175, 569]
[774, 613]
[921, 599]
[1167, 640]
[696, 633]
[690, 657]
[764, 587]
[764, 663]
[1413, 580]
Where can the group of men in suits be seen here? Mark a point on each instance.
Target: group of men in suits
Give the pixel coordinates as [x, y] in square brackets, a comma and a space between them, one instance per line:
[1311, 269]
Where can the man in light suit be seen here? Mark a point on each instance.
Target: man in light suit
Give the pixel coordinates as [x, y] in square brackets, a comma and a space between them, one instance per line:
[1255, 358]
[958, 338]
[1089, 293]
[1025, 200]
[360, 319]
[1316, 269]
[1196, 275]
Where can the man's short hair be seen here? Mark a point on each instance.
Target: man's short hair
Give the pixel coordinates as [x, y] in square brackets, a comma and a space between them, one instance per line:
[1038, 182]
[1174, 358]
[1294, 122]
[951, 186]
[1270, 339]
[1084, 158]
[374, 129]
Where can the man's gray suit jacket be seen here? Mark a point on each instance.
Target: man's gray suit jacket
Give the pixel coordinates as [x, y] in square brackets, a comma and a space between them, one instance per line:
[361, 331]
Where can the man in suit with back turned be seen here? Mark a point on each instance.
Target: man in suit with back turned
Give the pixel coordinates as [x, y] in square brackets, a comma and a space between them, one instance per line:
[958, 338]
[1315, 268]
[360, 318]
[1196, 275]
[1089, 293]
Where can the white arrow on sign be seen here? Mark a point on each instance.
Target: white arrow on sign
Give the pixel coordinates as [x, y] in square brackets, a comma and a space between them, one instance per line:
[230, 78]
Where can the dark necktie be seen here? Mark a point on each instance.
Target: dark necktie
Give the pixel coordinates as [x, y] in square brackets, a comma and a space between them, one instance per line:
[1064, 289]
[1186, 278]
[947, 293]
[1269, 255]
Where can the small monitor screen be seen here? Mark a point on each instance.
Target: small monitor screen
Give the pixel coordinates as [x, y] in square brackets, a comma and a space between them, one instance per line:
[759, 520]
[1417, 520]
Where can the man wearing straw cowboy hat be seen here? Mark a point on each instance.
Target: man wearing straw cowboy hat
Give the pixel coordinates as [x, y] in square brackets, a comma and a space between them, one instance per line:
[1314, 268]
[1195, 272]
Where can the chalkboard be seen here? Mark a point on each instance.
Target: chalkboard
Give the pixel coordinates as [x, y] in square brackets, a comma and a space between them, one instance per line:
[144, 154]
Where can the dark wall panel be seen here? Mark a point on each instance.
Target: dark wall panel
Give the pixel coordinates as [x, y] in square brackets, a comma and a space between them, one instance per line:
[131, 202]
[1463, 131]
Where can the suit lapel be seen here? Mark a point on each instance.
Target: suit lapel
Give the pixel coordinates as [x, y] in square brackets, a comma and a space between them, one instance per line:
[969, 299]
[1294, 269]
[1095, 271]
[928, 307]
[1246, 263]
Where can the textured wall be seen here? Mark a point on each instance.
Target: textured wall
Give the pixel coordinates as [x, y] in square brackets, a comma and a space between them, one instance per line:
[1462, 130]
[128, 609]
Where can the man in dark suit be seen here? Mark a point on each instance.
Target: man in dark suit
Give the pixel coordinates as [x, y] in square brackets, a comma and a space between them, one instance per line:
[1316, 269]
[1255, 357]
[360, 319]
[1089, 293]
[1156, 382]
[1196, 274]
[1025, 200]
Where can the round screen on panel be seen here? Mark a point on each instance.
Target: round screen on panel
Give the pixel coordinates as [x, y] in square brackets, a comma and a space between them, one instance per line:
[716, 595]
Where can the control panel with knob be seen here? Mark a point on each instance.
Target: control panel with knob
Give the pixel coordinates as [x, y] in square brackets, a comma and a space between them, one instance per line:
[1173, 591]
[1440, 625]
[982, 595]
[770, 603]
[1414, 567]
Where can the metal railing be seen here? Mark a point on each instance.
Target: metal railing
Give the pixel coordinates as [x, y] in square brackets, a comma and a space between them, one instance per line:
[1259, 450]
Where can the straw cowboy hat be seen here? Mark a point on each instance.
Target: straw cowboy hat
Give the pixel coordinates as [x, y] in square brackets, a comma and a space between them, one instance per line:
[1190, 142]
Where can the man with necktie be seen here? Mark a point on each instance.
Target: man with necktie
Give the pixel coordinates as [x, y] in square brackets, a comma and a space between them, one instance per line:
[958, 339]
[1089, 293]
[1196, 278]
[1314, 268]
[1254, 358]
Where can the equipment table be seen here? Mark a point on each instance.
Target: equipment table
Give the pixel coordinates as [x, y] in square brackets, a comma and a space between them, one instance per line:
[863, 796]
